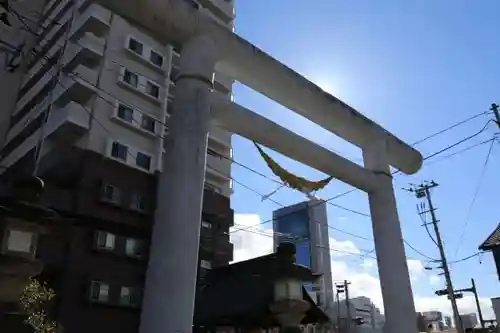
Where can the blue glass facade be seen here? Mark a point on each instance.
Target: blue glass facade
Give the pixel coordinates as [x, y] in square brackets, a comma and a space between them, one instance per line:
[293, 226]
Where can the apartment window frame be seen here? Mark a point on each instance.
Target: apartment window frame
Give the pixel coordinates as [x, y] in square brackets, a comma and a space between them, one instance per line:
[17, 235]
[118, 149]
[145, 86]
[134, 248]
[148, 54]
[98, 296]
[130, 296]
[105, 241]
[130, 74]
[146, 157]
[138, 202]
[130, 41]
[120, 107]
[138, 119]
[152, 54]
[145, 118]
[155, 86]
[111, 194]
[205, 264]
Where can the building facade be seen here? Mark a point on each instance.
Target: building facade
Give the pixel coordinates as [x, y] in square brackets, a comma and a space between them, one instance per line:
[434, 318]
[469, 320]
[362, 307]
[88, 107]
[306, 225]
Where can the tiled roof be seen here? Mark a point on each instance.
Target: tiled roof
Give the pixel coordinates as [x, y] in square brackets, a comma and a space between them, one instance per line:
[240, 294]
[492, 241]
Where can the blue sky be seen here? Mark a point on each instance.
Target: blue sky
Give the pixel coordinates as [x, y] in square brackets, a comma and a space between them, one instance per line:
[415, 68]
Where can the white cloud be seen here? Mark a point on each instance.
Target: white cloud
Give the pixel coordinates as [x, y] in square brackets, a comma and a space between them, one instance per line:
[434, 280]
[369, 264]
[415, 268]
[257, 241]
[253, 241]
[342, 248]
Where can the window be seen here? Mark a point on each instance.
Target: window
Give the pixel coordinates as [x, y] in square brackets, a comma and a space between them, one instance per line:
[125, 113]
[174, 73]
[138, 202]
[156, 58]
[130, 78]
[135, 46]
[133, 247]
[206, 224]
[152, 89]
[99, 292]
[119, 151]
[205, 264]
[130, 296]
[105, 240]
[148, 123]
[19, 241]
[111, 193]
[170, 105]
[176, 60]
[142, 160]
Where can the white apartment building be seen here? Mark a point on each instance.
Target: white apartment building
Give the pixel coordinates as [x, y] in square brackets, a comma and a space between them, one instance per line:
[100, 84]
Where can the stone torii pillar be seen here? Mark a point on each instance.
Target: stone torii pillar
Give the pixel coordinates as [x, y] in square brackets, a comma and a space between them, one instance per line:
[388, 238]
[169, 295]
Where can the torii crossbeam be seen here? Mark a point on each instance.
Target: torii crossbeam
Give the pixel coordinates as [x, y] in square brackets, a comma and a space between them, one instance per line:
[171, 276]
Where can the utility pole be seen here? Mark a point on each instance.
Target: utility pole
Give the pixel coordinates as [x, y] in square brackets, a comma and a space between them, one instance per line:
[340, 290]
[421, 191]
[473, 290]
[494, 108]
[349, 318]
[479, 312]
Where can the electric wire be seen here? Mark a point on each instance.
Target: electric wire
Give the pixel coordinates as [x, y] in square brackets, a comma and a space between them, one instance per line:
[474, 197]
[449, 128]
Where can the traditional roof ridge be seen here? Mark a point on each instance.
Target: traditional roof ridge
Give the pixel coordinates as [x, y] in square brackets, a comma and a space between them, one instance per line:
[492, 240]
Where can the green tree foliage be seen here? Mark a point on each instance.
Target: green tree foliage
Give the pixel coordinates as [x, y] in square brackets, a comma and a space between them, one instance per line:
[34, 300]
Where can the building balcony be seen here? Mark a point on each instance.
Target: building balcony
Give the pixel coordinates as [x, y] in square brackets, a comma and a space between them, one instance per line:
[89, 48]
[67, 123]
[218, 205]
[93, 18]
[219, 138]
[221, 166]
[222, 9]
[78, 87]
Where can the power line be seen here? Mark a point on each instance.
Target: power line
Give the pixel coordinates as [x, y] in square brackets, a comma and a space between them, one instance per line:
[449, 128]
[461, 151]
[465, 258]
[474, 196]
[459, 142]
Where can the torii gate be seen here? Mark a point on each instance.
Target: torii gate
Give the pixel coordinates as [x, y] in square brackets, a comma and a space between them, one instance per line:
[171, 275]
